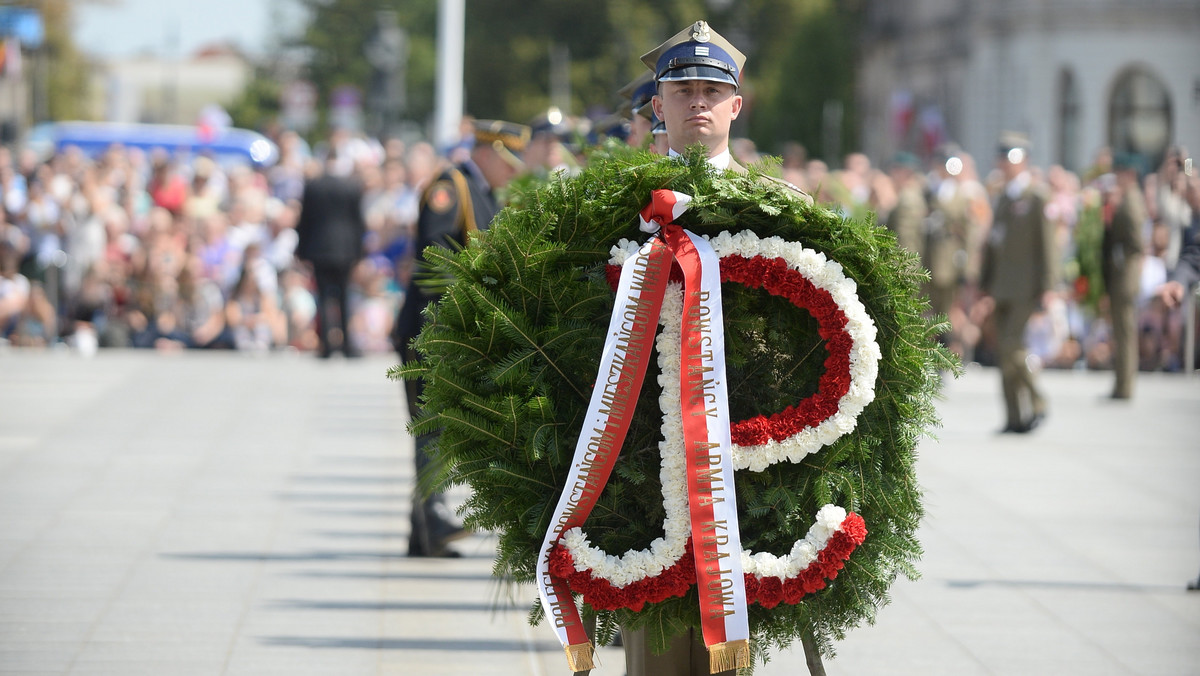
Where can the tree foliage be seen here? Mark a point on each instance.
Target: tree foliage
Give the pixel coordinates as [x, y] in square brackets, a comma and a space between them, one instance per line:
[67, 76]
[800, 54]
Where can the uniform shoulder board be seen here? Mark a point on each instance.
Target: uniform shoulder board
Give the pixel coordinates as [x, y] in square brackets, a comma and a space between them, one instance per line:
[441, 197]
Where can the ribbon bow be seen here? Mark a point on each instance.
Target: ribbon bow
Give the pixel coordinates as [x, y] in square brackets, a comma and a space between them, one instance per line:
[664, 207]
[716, 541]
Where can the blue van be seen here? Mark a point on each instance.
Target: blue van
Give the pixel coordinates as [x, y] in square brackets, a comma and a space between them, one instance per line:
[230, 145]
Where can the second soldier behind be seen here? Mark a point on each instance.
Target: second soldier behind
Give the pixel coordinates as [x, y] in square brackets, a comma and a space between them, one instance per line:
[460, 200]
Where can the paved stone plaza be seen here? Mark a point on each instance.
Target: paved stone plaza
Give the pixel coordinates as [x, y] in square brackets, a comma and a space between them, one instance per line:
[208, 514]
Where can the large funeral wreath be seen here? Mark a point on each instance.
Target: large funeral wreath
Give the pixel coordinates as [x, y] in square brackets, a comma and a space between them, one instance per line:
[509, 357]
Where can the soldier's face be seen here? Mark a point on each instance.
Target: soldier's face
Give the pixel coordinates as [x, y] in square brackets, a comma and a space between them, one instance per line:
[1008, 167]
[697, 111]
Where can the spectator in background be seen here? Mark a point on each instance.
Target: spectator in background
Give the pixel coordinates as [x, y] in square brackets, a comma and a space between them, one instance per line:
[205, 196]
[330, 235]
[1186, 275]
[167, 188]
[201, 309]
[1158, 326]
[280, 238]
[254, 318]
[14, 287]
[744, 151]
[374, 311]
[286, 178]
[300, 308]
[1167, 203]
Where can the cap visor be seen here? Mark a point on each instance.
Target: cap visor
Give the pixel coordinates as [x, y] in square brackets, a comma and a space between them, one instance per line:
[698, 73]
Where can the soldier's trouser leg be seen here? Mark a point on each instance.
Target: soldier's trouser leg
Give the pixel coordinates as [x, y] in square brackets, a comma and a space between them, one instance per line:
[685, 656]
[1125, 344]
[1016, 378]
[430, 517]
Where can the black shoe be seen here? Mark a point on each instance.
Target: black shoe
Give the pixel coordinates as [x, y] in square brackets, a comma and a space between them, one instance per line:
[416, 549]
[442, 553]
[445, 533]
[439, 537]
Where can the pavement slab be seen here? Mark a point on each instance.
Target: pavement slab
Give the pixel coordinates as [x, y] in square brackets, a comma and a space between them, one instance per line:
[233, 514]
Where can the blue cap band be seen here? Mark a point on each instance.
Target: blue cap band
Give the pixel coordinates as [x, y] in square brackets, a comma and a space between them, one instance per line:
[696, 61]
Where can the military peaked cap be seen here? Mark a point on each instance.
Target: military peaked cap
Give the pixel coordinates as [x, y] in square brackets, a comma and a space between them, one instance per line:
[696, 53]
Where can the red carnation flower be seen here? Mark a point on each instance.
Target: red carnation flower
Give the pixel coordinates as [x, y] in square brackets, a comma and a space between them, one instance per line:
[770, 592]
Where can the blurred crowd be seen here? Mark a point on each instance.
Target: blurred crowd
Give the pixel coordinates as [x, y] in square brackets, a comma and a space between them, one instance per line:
[153, 250]
[940, 208]
[149, 250]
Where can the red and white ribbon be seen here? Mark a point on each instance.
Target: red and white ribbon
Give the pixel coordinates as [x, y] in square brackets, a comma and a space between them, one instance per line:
[664, 207]
[628, 347]
[705, 410]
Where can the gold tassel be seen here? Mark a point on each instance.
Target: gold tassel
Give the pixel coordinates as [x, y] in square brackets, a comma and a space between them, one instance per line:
[728, 655]
[579, 657]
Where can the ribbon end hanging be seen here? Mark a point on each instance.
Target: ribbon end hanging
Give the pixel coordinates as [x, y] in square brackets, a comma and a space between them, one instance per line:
[728, 655]
[579, 656]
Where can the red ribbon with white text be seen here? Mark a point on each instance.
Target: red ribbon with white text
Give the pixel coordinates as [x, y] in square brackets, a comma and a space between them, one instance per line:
[713, 508]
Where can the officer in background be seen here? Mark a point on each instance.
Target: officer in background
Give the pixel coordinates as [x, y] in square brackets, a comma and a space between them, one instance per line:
[907, 218]
[639, 91]
[1018, 274]
[460, 200]
[959, 212]
[1121, 255]
[658, 137]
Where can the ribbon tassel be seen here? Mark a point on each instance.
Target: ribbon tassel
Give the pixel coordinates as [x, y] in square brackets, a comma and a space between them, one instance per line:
[728, 655]
[579, 657]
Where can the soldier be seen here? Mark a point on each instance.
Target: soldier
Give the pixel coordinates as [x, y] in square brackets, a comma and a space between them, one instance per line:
[1018, 276]
[461, 199]
[1121, 253]
[699, 75]
[697, 72]
[639, 91]
[907, 218]
[959, 212]
[658, 136]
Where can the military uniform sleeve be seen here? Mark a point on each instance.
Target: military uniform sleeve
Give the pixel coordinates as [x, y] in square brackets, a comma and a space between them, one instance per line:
[791, 188]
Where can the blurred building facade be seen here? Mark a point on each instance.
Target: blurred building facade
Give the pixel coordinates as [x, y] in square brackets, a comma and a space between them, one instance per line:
[1074, 74]
[150, 88]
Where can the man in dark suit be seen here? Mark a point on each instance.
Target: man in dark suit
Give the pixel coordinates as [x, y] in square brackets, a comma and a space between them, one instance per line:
[1018, 272]
[461, 199]
[330, 237]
